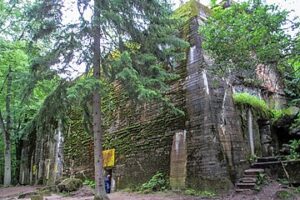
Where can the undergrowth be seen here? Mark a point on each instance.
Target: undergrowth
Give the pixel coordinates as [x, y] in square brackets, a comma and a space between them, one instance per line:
[204, 193]
[260, 107]
[294, 150]
[158, 182]
[90, 183]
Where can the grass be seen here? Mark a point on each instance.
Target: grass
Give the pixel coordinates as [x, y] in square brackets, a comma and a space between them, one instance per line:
[247, 100]
[260, 107]
[200, 193]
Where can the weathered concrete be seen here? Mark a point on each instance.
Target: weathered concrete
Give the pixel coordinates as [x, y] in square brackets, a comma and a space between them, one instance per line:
[178, 161]
[207, 148]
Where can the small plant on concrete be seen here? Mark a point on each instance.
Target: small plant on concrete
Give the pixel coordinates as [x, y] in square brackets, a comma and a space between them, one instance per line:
[262, 179]
[252, 158]
[158, 182]
[245, 99]
[294, 150]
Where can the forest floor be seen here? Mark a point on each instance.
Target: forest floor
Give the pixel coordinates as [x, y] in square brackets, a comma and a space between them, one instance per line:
[268, 192]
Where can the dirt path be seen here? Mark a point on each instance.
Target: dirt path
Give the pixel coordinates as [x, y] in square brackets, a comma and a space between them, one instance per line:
[129, 196]
[6, 193]
[267, 193]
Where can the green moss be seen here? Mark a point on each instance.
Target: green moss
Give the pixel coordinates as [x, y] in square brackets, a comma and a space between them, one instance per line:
[190, 10]
[187, 11]
[259, 106]
[288, 113]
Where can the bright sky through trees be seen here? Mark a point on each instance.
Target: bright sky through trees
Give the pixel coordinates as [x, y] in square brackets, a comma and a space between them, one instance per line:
[71, 15]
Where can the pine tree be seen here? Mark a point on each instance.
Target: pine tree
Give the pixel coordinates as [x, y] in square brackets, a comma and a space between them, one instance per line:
[138, 48]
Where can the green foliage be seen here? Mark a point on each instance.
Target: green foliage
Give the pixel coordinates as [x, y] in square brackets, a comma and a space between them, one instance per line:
[21, 106]
[277, 114]
[260, 107]
[262, 179]
[186, 11]
[296, 123]
[294, 150]
[158, 182]
[281, 113]
[253, 102]
[252, 158]
[283, 181]
[12, 22]
[292, 82]
[297, 190]
[247, 34]
[205, 193]
[90, 183]
[285, 195]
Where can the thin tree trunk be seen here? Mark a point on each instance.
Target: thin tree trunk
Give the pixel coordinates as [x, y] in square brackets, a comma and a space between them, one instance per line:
[2, 129]
[7, 142]
[96, 106]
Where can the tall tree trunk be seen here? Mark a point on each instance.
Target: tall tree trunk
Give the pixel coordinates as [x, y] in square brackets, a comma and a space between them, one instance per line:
[19, 145]
[96, 106]
[7, 142]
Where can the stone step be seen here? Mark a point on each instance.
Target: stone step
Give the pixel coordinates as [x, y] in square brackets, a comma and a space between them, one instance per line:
[245, 185]
[253, 171]
[249, 175]
[268, 159]
[243, 190]
[248, 180]
[264, 164]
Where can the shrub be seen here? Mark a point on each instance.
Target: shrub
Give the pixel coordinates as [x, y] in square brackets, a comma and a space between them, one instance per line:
[90, 183]
[261, 179]
[296, 122]
[294, 149]
[158, 182]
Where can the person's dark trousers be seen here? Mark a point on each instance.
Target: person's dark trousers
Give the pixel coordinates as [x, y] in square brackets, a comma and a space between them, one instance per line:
[107, 186]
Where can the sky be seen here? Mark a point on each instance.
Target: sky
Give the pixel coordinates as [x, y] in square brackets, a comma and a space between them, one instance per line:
[71, 15]
[284, 4]
[292, 5]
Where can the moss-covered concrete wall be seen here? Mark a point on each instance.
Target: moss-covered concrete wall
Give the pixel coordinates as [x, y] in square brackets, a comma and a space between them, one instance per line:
[142, 134]
[217, 148]
[217, 142]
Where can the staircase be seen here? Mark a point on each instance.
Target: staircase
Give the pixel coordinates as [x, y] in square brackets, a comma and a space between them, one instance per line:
[248, 182]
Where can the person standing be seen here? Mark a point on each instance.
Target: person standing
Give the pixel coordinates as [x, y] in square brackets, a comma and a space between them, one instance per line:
[107, 183]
